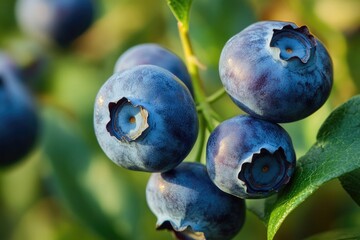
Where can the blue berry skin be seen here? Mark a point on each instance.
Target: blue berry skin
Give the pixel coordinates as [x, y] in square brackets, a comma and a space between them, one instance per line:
[55, 21]
[154, 54]
[145, 119]
[249, 157]
[19, 122]
[186, 202]
[276, 71]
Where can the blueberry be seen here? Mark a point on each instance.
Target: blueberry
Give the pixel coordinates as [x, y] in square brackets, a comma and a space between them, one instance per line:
[19, 123]
[55, 21]
[154, 54]
[249, 157]
[145, 119]
[186, 202]
[276, 71]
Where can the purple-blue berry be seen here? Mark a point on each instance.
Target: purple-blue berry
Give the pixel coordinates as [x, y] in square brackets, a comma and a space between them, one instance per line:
[249, 157]
[19, 122]
[186, 202]
[154, 54]
[55, 21]
[145, 119]
[276, 71]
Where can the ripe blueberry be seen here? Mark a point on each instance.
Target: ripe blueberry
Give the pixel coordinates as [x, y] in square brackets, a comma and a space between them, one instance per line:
[154, 54]
[250, 157]
[19, 123]
[186, 202]
[276, 71]
[55, 21]
[145, 119]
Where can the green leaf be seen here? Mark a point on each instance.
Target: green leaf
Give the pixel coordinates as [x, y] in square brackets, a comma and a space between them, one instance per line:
[338, 234]
[181, 10]
[86, 186]
[351, 183]
[335, 153]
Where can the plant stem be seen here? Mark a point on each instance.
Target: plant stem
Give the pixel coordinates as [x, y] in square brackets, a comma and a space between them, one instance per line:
[216, 95]
[201, 139]
[205, 110]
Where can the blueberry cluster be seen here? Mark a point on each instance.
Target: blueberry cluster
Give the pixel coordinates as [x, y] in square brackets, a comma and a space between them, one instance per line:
[56, 21]
[276, 72]
[145, 119]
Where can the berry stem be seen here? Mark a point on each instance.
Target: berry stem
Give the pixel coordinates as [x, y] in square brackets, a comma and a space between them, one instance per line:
[203, 106]
[200, 140]
[216, 95]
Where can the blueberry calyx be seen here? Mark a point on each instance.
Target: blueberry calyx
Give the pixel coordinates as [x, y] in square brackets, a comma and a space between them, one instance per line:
[265, 172]
[186, 233]
[127, 121]
[294, 43]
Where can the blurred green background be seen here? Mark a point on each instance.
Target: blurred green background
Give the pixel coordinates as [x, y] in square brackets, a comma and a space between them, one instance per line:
[67, 188]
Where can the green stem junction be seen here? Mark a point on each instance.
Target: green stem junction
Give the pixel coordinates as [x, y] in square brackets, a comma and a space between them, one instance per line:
[207, 116]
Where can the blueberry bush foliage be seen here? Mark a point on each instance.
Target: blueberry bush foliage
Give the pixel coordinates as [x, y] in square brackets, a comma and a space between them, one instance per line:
[66, 188]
